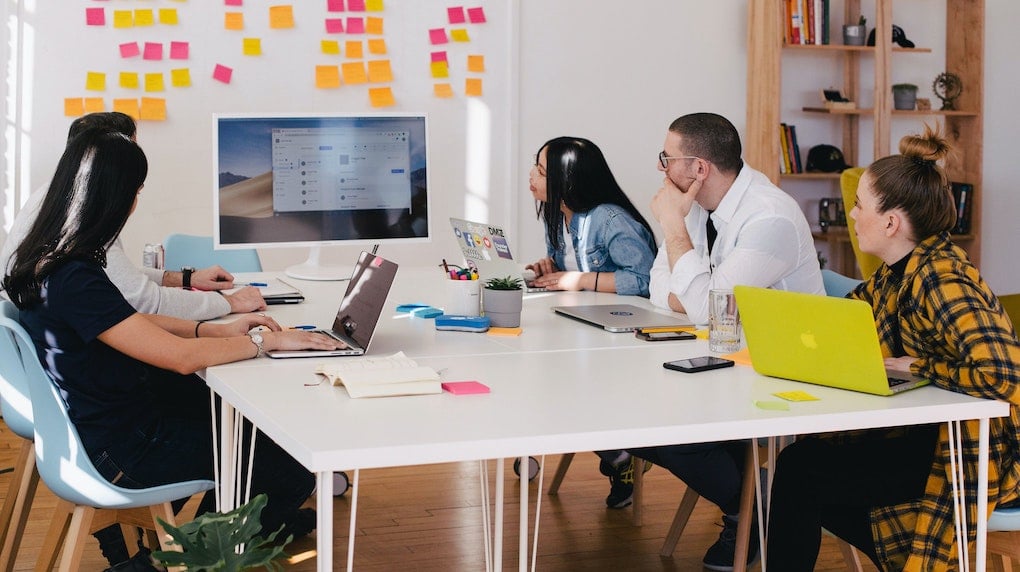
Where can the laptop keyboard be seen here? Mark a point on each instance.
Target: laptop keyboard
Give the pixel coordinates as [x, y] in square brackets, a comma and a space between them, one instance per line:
[894, 381]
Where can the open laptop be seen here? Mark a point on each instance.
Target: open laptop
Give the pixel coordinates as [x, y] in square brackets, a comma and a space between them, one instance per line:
[817, 339]
[618, 318]
[359, 311]
[487, 249]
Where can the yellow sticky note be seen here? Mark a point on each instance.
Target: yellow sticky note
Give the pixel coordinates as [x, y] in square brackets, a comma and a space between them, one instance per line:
[94, 105]
[742, 357]
[129, 80]
[327, 77]
[354, 49]
[702, 333]
[459, 35]
[95, 81]
[168, 16]
[797, 395]
[331, 47]
[381, 97]
[772, 405]
[374, 25]
[128, 107]
[74, 107]
[443, 90]
[476, 63]
[153, 109]
[377, 46]
[374, 5]
[180, 77]
[144, 17]
[379, 71]
[281, 17]
[354, 72]
[123, 19]
[505, 331]
[440, 69]
[252, 46]
[233, 20]
[473, 87]
[154, 82]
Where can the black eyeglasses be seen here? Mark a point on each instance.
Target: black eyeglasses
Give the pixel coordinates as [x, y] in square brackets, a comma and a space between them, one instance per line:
[664, 159]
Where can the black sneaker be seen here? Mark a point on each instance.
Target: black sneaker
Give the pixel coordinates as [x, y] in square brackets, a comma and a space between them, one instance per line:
[719, 556]
[621, 481]
[140, 562]
[301, 524]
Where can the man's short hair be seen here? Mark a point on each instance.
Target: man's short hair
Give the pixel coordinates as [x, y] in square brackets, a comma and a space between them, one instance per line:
[105, 120]
[711, 137]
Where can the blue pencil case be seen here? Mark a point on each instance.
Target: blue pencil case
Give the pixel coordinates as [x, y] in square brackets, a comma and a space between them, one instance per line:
[462, 323]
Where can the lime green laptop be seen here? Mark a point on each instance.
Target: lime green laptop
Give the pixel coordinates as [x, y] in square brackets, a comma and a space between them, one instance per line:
[817, 339]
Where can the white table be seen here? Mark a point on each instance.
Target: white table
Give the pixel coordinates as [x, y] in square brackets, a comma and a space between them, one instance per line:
[535, 410]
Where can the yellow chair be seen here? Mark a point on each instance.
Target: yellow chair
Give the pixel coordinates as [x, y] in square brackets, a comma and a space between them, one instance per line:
[1011, 304]
[848, 180]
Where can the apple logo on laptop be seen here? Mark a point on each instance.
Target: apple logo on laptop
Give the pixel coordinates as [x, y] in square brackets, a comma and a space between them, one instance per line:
[808, 339]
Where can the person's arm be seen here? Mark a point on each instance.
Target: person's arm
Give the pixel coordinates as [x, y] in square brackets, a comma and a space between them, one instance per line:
[630, 253]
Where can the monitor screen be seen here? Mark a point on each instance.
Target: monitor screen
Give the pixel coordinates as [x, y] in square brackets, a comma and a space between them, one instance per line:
[317, 180]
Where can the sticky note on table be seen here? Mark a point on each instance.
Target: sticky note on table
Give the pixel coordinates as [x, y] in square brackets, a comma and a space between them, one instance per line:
[505, 331]
[795, 396]
[742, 357]
[465, 387]
[772, 405]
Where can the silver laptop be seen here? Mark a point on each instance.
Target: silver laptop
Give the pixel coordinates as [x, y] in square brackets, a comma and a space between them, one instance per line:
[487, 249]
[622, 317]
[359, 311]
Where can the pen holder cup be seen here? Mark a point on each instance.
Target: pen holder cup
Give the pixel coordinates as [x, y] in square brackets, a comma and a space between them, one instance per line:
[463, 297]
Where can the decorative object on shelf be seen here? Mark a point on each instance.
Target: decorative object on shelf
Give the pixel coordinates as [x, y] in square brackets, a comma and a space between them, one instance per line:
[831, 213]
[904, 96]
[947, 87]
[854, 34]
[503, 300]
[898, 37]
[826, 159]
[923, 104]
[963, 194]
[834, 99]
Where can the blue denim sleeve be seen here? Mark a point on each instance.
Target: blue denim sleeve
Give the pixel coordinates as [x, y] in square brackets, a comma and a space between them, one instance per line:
[631, 252]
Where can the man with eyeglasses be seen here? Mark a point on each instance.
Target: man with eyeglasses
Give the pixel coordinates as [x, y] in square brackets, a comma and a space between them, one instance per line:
[724, 224]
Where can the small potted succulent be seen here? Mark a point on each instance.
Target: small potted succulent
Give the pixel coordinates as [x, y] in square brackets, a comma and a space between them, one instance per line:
[503, 300]
[904, 96]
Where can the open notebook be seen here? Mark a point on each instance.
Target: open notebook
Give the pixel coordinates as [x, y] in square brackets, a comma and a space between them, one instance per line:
[382, 376]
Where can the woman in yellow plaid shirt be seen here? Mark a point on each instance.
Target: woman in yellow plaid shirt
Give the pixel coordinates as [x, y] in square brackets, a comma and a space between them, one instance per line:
[887, 491]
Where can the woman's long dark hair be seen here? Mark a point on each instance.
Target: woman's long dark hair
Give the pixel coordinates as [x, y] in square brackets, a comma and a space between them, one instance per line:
[89, 199]
[578, 176]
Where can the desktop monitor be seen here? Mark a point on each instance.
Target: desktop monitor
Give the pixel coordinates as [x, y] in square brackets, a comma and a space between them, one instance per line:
[319, 179]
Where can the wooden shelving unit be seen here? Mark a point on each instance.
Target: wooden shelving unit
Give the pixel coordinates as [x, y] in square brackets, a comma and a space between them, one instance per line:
[964, 126]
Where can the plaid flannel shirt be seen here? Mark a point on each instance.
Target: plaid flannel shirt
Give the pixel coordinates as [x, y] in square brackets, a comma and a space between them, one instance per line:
[963, 341]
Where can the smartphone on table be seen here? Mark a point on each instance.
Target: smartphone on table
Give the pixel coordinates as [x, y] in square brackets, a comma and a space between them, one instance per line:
[697, 364]
[664, 336]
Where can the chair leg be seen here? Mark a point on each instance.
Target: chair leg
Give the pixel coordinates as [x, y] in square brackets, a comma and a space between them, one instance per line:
[17, 504]
[746, 510]
[54, 536]
[850, 556]
[683, 514]
[74, 544]
[637, 504]
[561, 471]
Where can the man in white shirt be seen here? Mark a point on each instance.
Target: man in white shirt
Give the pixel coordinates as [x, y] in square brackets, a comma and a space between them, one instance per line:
[724, 224]
[149, 290]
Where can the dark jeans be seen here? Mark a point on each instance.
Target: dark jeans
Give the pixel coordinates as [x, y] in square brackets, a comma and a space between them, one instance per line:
[714, 470]
[820, 484]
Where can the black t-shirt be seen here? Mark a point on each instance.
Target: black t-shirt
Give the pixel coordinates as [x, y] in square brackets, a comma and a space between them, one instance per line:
[106, 391]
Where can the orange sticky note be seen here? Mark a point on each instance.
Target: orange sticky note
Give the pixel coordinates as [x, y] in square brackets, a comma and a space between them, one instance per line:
[327, 77]
[354, 49]
[154, 82]
[354, 72]
[473, 87]
[252, 47]
[94, 105]
[281, 17]
[443, 90]
[129, 80]
[153, 109]
[168, 16]
[505, 331]
[233, 20]
[379, 71]
[331, 47]
[377, 46]
[180, 77]
[128, 107]
[144, 17]
[373, 6]
[374, 25]
[123, 19]
[381, 97]
[95, 81]
[74, 107]
[440, 69]
[476, 63]
[459, 35]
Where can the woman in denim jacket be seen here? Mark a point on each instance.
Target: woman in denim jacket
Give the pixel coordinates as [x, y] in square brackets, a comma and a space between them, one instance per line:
[608, 246]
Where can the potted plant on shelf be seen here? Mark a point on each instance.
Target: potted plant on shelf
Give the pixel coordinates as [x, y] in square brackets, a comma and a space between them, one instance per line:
[503, 300]
[855, 34]
[904, 96]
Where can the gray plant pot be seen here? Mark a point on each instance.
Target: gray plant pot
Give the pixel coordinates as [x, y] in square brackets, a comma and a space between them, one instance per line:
[503, 307]
[854, 34]
[904, 99]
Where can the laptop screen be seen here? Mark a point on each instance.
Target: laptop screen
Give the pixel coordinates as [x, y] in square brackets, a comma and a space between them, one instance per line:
[365, 297]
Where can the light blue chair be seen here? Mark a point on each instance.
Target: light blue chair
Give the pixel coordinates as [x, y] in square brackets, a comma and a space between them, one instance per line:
[68, 472]
[838, 285]
[188, 250]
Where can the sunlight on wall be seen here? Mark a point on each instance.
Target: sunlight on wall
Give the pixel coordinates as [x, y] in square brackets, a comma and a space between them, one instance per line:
[17, 126]
[478, 160]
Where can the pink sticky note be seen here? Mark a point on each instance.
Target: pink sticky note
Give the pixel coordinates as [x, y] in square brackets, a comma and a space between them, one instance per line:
[356, 5]
[476, 15]
[456, 14]
[129, 50]
[179, 50]
[233, 2]
[335, 6]
[153, 51]
[334, 25]
[95, 17]
[439, 57]
[222, 73]
[438, 36]
[355, 25]
[465, 387]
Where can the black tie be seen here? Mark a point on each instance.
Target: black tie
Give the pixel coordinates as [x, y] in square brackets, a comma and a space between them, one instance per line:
[711, 232]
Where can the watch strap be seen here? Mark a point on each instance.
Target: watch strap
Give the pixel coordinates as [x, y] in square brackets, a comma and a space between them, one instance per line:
[186, 273]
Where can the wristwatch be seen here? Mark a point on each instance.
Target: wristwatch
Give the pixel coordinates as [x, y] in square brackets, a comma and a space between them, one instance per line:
[186, 273]
[256, 338]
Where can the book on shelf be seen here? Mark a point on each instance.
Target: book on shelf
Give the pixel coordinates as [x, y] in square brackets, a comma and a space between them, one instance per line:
[795, 149]
[806, 22]
[381, 376]
[963, 197]
[784, 151]
[790, 150]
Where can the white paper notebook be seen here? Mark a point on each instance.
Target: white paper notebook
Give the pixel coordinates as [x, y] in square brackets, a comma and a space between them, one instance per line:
[381, 376]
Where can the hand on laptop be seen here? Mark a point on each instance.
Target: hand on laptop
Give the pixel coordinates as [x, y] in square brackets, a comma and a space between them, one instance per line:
[300, 340]
[570, 280]
[247, 299]
[542, 267]
[899, 363]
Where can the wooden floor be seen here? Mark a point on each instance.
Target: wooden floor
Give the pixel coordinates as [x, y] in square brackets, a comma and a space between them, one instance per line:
[428, 518]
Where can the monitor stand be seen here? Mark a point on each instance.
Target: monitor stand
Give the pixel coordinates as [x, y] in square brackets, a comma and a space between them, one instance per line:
[311, 269]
